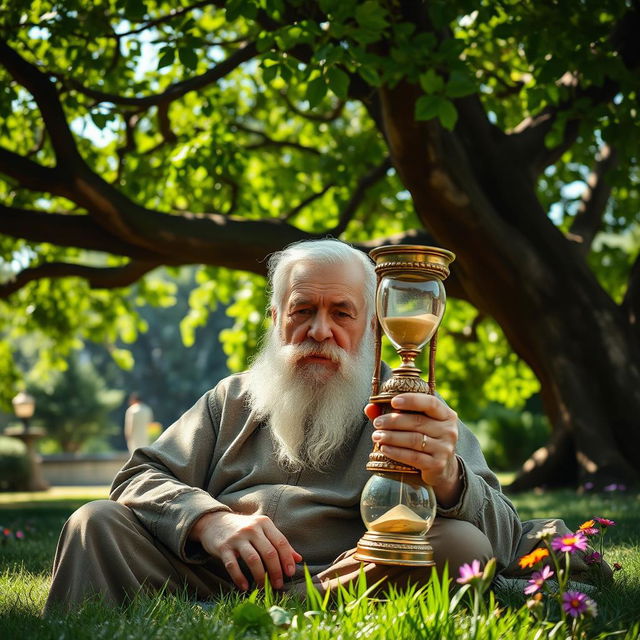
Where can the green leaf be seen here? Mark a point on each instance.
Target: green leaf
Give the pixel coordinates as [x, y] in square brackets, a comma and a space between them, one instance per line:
[100, 119]
[431, 82]
[428, 107]
[371, 15]
[167, 56]
[123, 358]
[338, 82]
[188, 57]
[370, 75]
[460, 84]
[448, 114]
[269, 72]
[134, 9]
[264, 42]
[236, 8]
[316, 90]
[249, 615]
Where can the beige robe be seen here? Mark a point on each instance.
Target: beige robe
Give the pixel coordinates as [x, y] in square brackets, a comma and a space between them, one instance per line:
[218, 456]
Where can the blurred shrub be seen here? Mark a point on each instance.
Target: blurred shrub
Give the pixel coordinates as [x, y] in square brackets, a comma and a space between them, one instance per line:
[14, 464]
[509, 436]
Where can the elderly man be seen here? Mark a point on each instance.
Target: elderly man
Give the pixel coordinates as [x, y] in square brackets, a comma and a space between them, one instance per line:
[264, 474]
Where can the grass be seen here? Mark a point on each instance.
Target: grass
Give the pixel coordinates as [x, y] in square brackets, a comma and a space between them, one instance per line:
[25, 566]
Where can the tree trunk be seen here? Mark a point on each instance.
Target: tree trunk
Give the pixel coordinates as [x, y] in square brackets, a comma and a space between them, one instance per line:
[559, 320]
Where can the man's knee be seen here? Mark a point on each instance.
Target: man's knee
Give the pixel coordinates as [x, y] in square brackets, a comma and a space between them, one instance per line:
[96, 518]
[458, 542]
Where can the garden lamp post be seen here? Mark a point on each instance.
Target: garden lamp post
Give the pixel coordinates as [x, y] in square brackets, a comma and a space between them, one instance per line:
[24, 406]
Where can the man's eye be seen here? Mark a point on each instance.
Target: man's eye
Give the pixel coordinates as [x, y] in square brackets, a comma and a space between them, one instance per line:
[302, 312]
[343, 314]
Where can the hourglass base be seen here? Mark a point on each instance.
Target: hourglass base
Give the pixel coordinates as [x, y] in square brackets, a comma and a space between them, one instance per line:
[395, 549]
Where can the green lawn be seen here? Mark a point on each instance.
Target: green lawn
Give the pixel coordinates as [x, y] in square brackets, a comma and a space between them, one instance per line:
[25, 566]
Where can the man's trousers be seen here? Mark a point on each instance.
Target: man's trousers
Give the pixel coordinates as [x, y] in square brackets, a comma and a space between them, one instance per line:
[105, 551]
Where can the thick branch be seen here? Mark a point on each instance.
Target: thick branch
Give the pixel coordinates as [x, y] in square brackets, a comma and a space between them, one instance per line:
[46, 96]
[66, 230]
[594, 201]
[97, 277]
[358, 195]
[174, 91]
[32, 175]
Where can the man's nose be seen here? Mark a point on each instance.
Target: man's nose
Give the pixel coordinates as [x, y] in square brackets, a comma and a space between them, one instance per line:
[320, 329]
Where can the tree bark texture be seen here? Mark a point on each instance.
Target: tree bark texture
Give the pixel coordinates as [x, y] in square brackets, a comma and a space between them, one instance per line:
[476, 197]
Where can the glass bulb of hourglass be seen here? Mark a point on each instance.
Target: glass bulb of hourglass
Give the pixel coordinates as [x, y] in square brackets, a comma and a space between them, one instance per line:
[410, 310]
[395, 503]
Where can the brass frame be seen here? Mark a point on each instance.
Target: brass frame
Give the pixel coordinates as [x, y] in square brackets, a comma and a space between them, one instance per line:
[401, 549]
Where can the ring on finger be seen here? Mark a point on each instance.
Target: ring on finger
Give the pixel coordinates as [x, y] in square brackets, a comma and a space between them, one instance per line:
[423, 446]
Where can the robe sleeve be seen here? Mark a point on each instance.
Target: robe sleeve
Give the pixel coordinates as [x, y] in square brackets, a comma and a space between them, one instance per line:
[165, 483]
[482, 502]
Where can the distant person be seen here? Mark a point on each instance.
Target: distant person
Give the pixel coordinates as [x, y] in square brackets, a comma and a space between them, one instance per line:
[137, 419]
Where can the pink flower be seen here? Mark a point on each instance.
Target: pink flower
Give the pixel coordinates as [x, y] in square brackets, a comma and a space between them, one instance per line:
[537, 580]
[593, 558]
[590, 531]
[469, 572]
[604, 522]
[20, 535]
[571, 542]
[575, 603]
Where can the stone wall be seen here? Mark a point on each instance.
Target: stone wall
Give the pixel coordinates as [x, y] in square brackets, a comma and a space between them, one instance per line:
[68, 469]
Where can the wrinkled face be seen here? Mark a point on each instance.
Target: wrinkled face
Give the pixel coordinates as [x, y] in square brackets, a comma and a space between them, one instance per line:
[324, 305]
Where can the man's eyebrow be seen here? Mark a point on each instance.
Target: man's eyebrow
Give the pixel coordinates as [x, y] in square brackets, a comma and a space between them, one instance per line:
[347, 305]
[299, 300]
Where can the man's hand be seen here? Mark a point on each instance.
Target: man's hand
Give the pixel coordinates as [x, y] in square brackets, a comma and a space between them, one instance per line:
[425, 438]
[255, 539]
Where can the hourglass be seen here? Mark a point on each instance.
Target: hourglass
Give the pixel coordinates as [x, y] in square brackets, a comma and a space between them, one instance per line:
[397, 508]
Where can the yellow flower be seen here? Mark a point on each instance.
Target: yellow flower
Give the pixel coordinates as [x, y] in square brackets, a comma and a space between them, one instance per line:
[589, 524]
[533, 558]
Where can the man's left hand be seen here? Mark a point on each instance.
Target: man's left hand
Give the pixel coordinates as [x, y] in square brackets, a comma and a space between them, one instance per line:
[422, 432]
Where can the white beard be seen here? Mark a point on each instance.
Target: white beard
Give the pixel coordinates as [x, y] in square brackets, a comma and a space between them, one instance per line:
[311, 410]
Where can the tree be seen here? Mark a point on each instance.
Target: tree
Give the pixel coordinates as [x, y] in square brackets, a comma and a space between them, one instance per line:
[74, 406]
[216, 132]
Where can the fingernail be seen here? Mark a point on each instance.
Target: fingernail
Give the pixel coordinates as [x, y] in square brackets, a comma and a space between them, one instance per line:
[290, 569]
[244, 586]
[377, 435]
[377, 422]
[398, 401]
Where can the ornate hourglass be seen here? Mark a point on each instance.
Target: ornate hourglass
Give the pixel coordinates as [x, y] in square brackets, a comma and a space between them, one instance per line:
[396, 506]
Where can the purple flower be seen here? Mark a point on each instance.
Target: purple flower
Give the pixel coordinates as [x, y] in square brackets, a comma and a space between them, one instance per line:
[570, 542]
[615, 487]
[605, 522]
[20, 535]
[537, 580]
[575, 603]
[593, 558]
[469, 572]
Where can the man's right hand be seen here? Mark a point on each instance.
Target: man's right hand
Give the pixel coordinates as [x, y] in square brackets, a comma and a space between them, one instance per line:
[255, 539]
